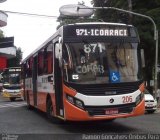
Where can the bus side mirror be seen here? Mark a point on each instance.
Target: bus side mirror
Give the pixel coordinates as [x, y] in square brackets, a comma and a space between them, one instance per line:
[142, 58]
[58, 48]
[2, 79]
[65, 63]
[58, 53]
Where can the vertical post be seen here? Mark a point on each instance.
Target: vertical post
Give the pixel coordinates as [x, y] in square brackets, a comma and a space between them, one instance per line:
[155, 36]
[156, 65]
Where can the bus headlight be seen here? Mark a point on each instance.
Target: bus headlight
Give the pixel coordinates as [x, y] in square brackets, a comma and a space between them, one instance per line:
[70, 99]
[4, 90]
[78, 103]
[139, 98]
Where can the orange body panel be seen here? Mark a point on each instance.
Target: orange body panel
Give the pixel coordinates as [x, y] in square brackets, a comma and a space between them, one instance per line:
[142, 87]
[75, 114]
[69, 91]
[31, 101]
[41, 100]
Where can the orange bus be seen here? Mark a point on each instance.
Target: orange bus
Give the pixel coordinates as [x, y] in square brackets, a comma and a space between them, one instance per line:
[86, 71]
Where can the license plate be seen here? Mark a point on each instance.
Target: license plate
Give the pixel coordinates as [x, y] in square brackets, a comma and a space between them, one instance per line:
[111, 111]
[149, 105]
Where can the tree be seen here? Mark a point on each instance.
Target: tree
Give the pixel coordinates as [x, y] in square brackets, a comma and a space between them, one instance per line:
[1, 34]
[15, 62]
[144, 26]
[64, 21]
[130, 9]
[70, 20]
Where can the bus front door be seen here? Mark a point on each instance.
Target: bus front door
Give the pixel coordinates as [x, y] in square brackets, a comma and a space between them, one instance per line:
[58, 81]
[34, 80]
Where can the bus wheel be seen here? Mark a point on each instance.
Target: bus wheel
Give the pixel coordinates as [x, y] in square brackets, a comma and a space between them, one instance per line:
[49, 109]
[50, 113]
[28, 103]
[12, 99]
[110, 120]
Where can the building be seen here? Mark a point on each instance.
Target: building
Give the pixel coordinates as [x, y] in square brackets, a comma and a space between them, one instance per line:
[7, 48]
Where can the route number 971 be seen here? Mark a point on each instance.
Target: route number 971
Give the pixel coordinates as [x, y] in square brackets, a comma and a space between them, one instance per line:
[127, 99]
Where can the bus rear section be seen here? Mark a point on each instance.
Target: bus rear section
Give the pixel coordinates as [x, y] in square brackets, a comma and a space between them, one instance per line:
[96, 73]
[12, 87]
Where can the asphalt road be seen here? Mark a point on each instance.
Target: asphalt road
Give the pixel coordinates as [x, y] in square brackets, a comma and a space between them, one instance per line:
[17, 120]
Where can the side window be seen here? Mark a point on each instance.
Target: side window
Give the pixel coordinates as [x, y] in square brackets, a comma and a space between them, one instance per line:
[49, 58]
[28, 68]
[65, 54]
[24, 71]
[45, 69]
[57, 50]
[40, 62]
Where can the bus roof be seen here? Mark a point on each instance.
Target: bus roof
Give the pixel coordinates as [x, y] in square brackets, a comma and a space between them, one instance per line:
[103, 23]
[59, 30]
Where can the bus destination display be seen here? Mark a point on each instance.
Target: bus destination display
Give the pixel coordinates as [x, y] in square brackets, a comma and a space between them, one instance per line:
[101, 32]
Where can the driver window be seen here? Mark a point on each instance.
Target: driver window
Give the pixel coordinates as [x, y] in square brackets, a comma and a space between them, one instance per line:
[65, 55]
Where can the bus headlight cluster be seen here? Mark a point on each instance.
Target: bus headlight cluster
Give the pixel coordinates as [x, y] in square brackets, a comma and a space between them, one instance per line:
[78, 103]
[4, 90]
[139, 98]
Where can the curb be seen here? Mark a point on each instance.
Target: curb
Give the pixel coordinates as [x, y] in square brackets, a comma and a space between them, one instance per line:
[158, 109]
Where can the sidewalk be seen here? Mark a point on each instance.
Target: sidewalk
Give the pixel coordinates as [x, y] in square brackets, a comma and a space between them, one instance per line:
[158, 109]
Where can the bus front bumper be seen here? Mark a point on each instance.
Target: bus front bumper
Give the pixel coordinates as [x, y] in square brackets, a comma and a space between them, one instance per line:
[11, 95]
[74, 113]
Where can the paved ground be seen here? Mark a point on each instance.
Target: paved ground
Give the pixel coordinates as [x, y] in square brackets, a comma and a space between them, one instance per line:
[16, 119]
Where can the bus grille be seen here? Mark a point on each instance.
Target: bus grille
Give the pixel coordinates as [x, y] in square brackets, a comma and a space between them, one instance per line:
[122, 109]
[12, 87]
[106, 89]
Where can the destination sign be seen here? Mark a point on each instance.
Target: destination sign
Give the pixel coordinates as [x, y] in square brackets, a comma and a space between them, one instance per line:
[11, 70]
[99, 32]
[102, 32]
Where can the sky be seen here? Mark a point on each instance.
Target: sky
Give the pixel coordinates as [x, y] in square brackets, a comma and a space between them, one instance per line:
[30, 31]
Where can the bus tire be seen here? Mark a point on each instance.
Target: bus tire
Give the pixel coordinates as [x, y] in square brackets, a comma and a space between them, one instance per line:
[28, 103]
[12, 99]
[110, 120]
[50, 112]
[29, 106]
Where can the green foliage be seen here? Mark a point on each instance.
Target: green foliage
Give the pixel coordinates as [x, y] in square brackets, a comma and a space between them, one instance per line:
[71, 20]
[64, 21]
[15, 62]
[111, 15]
[145, 27]
[1, 34]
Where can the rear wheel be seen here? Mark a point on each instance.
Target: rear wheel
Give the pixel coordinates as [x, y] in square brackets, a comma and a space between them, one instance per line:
[28, 102]
[50, 112]
[49, 109]
[12, 99]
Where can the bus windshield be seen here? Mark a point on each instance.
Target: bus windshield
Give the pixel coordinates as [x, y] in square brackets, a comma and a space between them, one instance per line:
[11, 77]
[92, 63]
